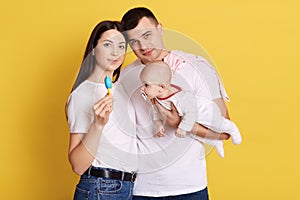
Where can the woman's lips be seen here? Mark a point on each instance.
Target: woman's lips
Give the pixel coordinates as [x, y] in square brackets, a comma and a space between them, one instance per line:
[113, 61]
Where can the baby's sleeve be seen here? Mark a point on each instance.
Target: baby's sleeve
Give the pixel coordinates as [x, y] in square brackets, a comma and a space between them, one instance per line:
[188, 104]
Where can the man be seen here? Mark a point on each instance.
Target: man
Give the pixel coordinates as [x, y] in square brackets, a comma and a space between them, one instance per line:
[168, 166]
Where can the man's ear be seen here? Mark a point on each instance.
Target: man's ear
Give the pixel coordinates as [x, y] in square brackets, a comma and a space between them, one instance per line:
[160, 28]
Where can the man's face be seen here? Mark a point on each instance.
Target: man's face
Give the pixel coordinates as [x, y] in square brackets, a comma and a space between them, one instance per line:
[146, 40]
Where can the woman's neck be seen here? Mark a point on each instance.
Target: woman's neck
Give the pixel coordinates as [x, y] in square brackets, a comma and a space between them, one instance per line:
[98, 75]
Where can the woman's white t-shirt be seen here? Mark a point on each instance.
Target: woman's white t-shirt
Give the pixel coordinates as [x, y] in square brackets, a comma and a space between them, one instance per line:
[118, 146]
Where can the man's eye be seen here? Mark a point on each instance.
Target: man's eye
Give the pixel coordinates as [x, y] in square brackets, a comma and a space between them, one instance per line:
[133, 42]
[146, 36]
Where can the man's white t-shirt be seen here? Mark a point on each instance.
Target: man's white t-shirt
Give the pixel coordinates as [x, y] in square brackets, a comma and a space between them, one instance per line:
[170, 165]
[117, 148]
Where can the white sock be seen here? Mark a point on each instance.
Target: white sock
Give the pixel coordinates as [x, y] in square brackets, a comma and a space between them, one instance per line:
[236, 137]
[218, 144]
[220, 149]
[230, 128]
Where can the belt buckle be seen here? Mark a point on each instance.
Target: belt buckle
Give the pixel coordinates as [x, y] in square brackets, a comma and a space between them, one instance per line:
[133, 177]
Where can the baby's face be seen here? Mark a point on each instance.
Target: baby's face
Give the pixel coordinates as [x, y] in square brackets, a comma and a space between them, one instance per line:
[150, 90]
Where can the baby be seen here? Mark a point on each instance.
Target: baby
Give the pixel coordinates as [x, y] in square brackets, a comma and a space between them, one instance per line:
[156, 79]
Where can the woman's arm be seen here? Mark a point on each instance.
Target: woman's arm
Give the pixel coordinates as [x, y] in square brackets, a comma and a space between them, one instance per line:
[83, 147]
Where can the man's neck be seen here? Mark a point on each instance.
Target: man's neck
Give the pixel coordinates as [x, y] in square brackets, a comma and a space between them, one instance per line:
[161, 56]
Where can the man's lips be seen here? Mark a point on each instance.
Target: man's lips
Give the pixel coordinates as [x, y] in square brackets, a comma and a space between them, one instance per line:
[148, 53]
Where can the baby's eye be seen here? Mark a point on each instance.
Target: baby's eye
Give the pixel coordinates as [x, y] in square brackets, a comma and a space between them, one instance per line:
[146, 85]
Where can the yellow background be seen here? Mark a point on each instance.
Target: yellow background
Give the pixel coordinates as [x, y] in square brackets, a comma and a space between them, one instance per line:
[254, 44]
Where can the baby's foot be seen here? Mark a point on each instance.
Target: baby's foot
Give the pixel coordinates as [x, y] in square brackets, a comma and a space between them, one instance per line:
[218, 144]
[230, 128]
[236, 136]
[219, 147]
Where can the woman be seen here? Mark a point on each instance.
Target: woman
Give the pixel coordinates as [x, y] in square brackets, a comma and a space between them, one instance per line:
[102, 141]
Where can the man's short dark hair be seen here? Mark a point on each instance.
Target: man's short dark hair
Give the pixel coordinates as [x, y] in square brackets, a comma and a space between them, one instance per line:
[132, 17]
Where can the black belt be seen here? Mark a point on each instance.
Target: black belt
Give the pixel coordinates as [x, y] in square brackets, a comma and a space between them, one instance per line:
[105, 173]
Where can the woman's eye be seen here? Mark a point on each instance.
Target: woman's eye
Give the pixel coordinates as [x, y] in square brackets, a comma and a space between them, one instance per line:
[107, 44]
[122, 47]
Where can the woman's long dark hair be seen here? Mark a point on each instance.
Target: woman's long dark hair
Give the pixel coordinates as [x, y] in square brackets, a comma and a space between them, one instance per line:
[88, 62]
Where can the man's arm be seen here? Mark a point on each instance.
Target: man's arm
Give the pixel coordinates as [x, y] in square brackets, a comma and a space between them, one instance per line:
[171, 116]
[204, 132]
[173, 120]
[220, 102]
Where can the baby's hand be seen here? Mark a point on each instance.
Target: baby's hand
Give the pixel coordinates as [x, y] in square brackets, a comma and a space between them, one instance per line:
[180, 133]
[161, 132]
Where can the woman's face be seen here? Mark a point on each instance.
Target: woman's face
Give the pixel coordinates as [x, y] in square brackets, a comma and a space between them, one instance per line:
[110, 50]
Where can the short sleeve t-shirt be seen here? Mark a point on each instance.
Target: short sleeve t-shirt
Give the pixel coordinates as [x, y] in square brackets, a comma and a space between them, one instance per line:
[117, 148]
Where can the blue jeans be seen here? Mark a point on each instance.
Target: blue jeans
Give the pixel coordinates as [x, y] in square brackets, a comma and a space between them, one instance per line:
[95, 188]
[200, 195]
